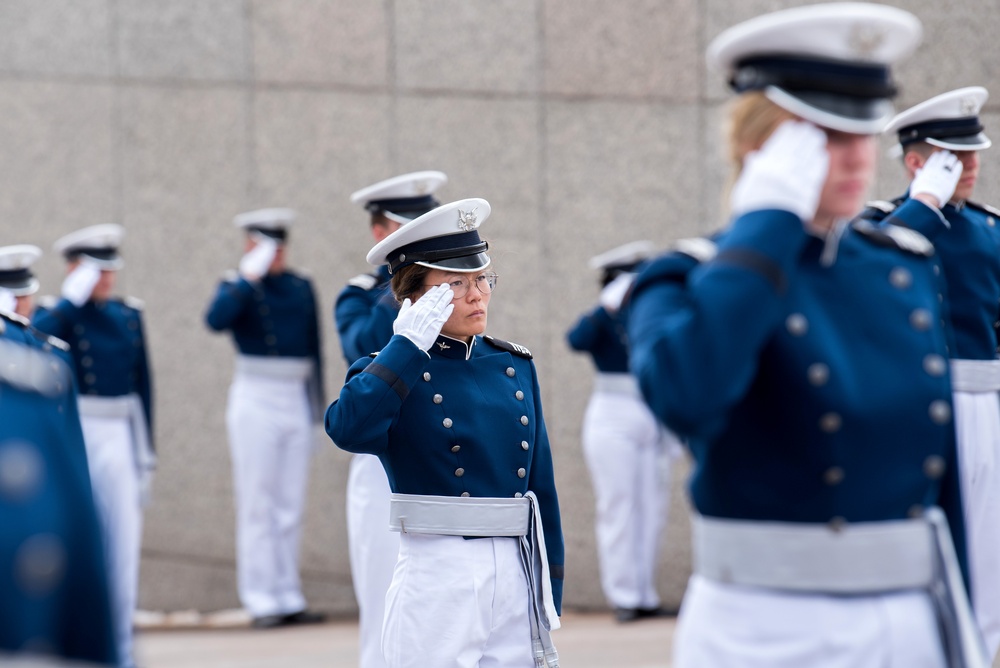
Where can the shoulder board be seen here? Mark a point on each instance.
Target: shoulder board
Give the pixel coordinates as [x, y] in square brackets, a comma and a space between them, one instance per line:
[47, 302]
[986, 208]
[374, 354]
[885, 206]
[364, 281]
[230, 276]
[51, 340]
[699, 248]
[895, 236]
[13, 317]
[515, 348]
[134, 302]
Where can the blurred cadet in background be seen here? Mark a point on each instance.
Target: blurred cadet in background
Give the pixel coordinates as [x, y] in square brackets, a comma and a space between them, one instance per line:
[628, 452]
[456, 419]
[108, 348]
[939, 142]
[275, 399]
[54, 598]
[17, 284]
[803, 357]
[364, 313]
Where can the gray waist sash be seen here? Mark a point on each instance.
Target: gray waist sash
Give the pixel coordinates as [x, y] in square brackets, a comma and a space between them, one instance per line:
[975, 375]
[129, 407]
[285, 368]
[860, 559]
[492, 517]
[617, 383]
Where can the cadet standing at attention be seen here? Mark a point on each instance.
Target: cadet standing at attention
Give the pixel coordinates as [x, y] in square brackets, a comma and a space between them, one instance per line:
[364, 313]
[108, 347]
[54, 598]
[17, 284]
[806, 362]
[627, 450]
[456, 419]
[274, 401]
[939, 141]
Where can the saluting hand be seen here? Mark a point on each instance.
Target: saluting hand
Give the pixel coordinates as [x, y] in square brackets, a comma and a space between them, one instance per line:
[257, 261]
[937, 178]
[421, 321]
[80, 283]
[8, 302]
[787, 172]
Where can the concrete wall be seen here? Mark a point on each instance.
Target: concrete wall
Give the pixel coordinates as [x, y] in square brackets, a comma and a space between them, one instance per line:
[585, 124]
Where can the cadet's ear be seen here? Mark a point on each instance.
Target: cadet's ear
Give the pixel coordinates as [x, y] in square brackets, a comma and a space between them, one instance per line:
[913, 161]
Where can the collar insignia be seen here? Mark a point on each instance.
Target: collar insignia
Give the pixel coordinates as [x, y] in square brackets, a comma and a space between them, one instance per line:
[442, 345]
[467, 220]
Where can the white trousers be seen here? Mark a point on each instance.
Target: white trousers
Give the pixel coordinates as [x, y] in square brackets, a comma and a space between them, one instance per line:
[628, 454]
[977, 425]
[374, 550]
[113, 475]
[270, 440]
[457, 603]
[728, 626]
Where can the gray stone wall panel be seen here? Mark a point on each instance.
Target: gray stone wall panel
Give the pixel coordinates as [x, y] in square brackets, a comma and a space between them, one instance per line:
[458, 45]
[56, 37]
[183, 39]
[320, 41]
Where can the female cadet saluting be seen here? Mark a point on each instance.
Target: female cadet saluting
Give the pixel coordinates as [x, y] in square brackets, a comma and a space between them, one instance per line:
[456, 419]
[807, 367]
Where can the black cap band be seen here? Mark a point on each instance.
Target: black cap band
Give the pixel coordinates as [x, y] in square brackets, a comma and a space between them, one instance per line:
[795, 75]
[276, 234]
[103, 254]
[953, 128]
[408, 207]
[437, 249]
[15, 279]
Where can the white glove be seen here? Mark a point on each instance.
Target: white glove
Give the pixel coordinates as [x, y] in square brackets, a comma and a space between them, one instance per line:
[787, 172]
[78, 286]
[8, 302]
[421, 322]
[938, 177]
[614, 292]
[257, 261]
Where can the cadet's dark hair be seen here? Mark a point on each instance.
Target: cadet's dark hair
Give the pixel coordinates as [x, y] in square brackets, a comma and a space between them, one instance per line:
[408, 281]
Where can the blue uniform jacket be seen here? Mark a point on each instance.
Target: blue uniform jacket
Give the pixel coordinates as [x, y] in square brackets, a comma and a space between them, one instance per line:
[274, 317]
[53, 583]
[108, 347]
[364, 313]
[810, 376]
[451, 425]
[603, 336]
[967, 242]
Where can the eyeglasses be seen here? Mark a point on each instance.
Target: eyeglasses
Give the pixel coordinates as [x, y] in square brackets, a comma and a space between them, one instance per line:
[484, 283]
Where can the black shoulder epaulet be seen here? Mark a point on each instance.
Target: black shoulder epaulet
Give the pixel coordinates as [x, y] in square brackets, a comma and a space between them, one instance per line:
[515, 348]
[364, 281]
[374, 354]
[895, 236]
[698, 248]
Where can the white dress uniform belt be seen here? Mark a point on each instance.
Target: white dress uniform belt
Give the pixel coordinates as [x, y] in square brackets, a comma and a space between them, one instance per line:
[126, 406]
[491, 517]
[617, 383]
[861, 559]
[975, 375]
[285, 368]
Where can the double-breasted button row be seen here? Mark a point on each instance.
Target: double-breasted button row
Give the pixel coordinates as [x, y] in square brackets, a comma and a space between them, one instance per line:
[940, 411]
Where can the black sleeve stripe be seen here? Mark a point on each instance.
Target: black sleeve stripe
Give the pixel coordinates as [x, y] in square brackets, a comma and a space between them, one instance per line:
[756, 262]
[557, 572]
[390, 377]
